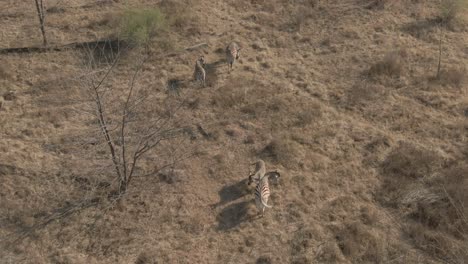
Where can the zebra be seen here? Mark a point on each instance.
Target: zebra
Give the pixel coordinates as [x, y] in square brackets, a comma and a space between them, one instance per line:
[199, 73]
[262, 191]
[259, 172]
[232, 54]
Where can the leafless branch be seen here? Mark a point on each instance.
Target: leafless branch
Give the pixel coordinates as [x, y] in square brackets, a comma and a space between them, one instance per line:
[41, 13]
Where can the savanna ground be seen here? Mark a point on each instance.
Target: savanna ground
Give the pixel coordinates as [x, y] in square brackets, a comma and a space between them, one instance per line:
[340, 96]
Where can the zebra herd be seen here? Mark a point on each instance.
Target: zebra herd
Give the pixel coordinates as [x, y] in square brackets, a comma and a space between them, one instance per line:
[232, 54]
[260, 176]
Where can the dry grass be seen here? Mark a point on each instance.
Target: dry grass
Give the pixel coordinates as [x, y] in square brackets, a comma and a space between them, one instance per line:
[180, 16]
[371, 171]
[376, 4]
[284, 151]
[391, 65]
[360, 244]
[450, 10]
[454, 77]
[431, 198]
[365, 93]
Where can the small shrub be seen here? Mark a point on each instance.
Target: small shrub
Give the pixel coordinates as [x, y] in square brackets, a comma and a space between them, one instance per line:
[376, 4]
[308, 114]
[454, 77]
[138, 26]
[361, 94]
[283, 150]
[264, 260]
[179, 12]
[408, 161]
[359, 243]
[450, 10]
[432, 198]
[391, 65]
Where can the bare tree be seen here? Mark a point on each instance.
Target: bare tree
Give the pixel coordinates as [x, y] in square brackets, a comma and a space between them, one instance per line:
[41, 13]
[128, 131]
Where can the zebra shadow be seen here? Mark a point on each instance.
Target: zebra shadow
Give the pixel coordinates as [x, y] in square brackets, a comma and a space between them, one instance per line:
[233, 192]
[212, 74]
[233, 215]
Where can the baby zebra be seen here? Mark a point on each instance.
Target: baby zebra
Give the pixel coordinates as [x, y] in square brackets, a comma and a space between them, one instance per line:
[199, 74]
[232, 54]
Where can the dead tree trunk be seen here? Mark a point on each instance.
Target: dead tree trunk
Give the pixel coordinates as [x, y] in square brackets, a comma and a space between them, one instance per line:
[41, 13]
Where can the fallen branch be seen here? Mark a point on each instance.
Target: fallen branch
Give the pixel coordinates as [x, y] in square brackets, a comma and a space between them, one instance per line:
[194, 47]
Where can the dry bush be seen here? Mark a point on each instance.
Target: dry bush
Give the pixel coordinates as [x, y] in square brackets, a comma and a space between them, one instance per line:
[283, 150]
[307, 114]
[109, 19]
[410, 162]
[180, 15]
[245, 92]
[454, 77]
[300, 17]
[360, 244]
[431, 199]
[437, 244]
[448, 213]
[146, 258]
[303, 249]
[361, 94]
[376, 4]
[264, 260]
[5, 71]
[391, 65]
[229, 97]
[450, 10]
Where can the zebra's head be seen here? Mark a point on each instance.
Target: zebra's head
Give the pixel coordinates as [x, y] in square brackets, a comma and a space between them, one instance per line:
[201, 59]
[273, 175]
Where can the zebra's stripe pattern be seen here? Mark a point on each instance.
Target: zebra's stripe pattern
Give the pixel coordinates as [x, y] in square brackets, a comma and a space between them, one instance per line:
[262, 191]
[232, 54]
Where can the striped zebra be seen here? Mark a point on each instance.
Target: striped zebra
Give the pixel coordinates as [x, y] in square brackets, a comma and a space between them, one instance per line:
[262, 191]
[232, 54]
[199, 73]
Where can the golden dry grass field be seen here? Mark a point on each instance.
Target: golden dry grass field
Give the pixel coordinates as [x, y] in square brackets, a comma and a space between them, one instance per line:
[341, 97]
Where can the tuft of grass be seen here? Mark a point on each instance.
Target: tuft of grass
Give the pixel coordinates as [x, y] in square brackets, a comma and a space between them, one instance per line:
[454, 77]
[283, 150]
[376, 4]
[139, 26]
[391, 65]
[432, 198]
[450, 10]
[359, 243]
[364, 93]
[409, 161]
[179, 12]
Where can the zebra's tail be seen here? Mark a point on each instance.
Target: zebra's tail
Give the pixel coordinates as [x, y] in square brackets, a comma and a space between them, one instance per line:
[265, 204]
